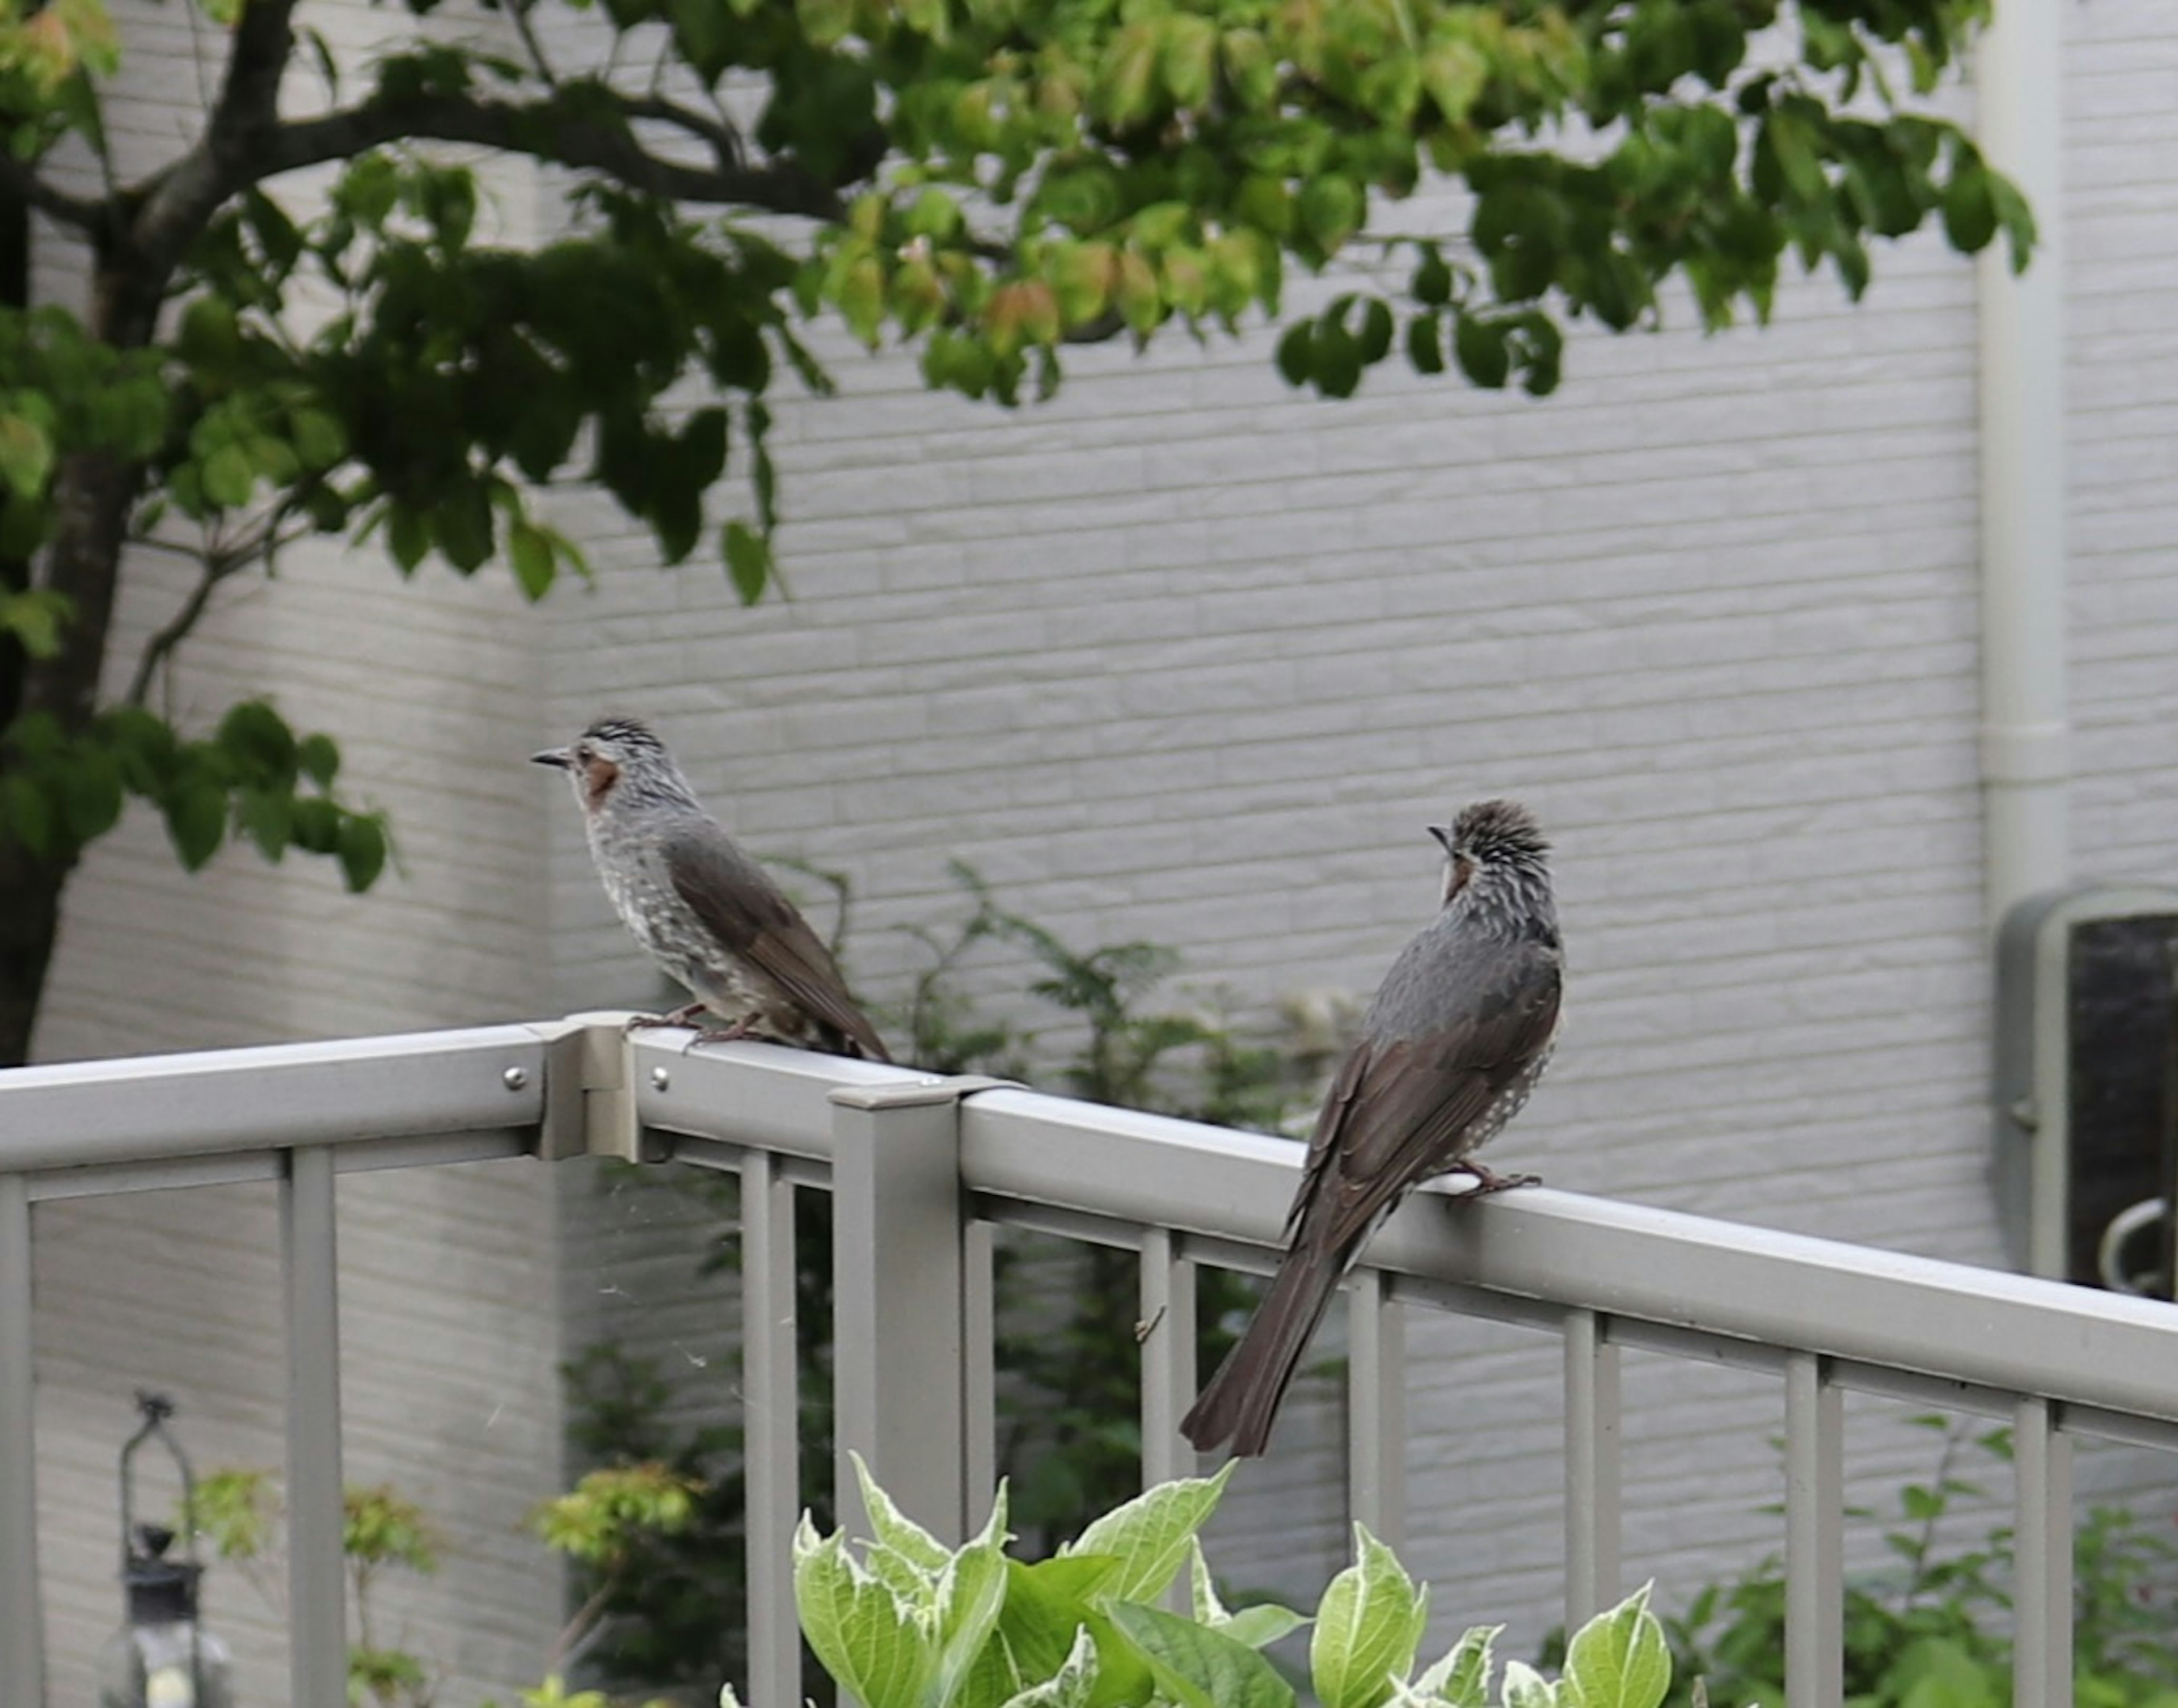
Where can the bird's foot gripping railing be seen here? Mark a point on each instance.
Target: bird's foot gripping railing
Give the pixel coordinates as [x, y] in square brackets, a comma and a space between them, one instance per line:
[922, 1169]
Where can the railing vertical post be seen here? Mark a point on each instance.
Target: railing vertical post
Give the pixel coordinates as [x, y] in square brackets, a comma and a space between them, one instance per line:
[899, 1331]
[772, 1436]
[980, 1371]
[2042, 1464]
[1814, 1534]
[1377, 1409]
[22, 1653]
[317, 1616]
[1592, 1469]
[1168, 1340]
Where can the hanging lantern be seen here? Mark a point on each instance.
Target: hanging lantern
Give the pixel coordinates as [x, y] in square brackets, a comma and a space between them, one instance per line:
[162, 1657]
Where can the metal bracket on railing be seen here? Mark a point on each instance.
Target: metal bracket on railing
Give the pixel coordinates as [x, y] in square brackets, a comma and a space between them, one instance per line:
[917, 1094]
[589, 1090]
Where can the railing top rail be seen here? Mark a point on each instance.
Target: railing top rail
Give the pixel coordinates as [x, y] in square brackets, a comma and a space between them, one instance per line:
[1874, 1307]
[208, 1102]
[1983, 1326]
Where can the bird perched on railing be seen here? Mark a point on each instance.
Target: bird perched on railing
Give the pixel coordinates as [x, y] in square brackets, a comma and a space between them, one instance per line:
[708, 913]
[1459, 1032]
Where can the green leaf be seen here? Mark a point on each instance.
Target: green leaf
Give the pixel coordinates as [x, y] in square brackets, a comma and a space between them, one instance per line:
[318, 757]
[36, 619]
[196, 820]
[1481, 346]
[229, 477]
[361, 851]
[1188, 59]
[1262, 1624]
[1331, 210]
[1970, 212]
[1526, 1688]
[971, 1594]
[317, 824]
[1367, 1628]
[1432, 281]
[1426, 344]
[268, 819]
[259, 738]
[1151, 1535]
[1045, 1603]
[26, 454]
[1462, 1678]
[859, 1629]
[1618, 1659]
[321, 440]
[1200, 1668]
[895, 1530]
[26, 813]
[748, 560]
[1072, 1686]
[1296, 356]
[462, 526]
[91, 794]
[530, 554]
[1375, 334]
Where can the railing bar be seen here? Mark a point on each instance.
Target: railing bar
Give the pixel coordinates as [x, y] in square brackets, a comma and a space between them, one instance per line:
[316, 1614]
[979, 1378]
[2042, 1462]
[771, 1434]
[242, 1167]
[1592, 1502]
[21, 1636]
[1082, 1225]
[2093, 1421]
[1814, 1534]
[727, 1158]
[1377, 1409]
[1166, 1330]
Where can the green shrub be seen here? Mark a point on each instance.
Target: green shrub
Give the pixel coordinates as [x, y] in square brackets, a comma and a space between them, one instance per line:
[912, 1623]
[1932, 1630]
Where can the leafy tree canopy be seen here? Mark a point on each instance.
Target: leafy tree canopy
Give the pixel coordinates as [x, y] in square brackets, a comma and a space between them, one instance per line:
[990, 180]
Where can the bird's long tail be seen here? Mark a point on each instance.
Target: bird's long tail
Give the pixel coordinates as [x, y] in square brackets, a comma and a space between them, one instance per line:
[1241, 1400]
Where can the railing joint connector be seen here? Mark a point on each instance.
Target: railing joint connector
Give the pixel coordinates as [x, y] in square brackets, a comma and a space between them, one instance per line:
[590, 1091]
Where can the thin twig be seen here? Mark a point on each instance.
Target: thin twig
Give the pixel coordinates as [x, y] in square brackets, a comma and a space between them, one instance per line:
[523, 27]
[220, 563]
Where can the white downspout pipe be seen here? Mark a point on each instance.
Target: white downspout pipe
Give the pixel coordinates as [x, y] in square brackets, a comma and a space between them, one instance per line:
[2025, 759]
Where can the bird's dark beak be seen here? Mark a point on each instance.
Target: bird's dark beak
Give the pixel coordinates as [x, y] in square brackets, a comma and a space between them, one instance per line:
[1441, 832]
[558, 757]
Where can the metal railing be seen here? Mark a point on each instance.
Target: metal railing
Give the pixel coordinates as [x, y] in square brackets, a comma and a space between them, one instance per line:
[922, 1169]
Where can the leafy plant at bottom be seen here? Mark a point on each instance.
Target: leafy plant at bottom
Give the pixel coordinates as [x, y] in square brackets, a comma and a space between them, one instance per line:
[911, 1623]
[1931, 1632]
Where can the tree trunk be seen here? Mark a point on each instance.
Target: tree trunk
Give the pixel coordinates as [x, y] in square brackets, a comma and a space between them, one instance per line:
[29, 918]
[92, 495]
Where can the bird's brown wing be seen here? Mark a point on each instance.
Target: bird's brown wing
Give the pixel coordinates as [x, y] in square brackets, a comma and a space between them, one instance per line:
[736, 898]
[1400, 1107]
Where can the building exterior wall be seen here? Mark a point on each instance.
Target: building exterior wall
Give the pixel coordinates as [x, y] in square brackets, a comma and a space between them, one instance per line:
[1186, 656]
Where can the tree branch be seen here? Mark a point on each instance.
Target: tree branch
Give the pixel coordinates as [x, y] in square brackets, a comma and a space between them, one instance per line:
[566, 128]
[86, 215]
[219, 565]
[173, 207]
